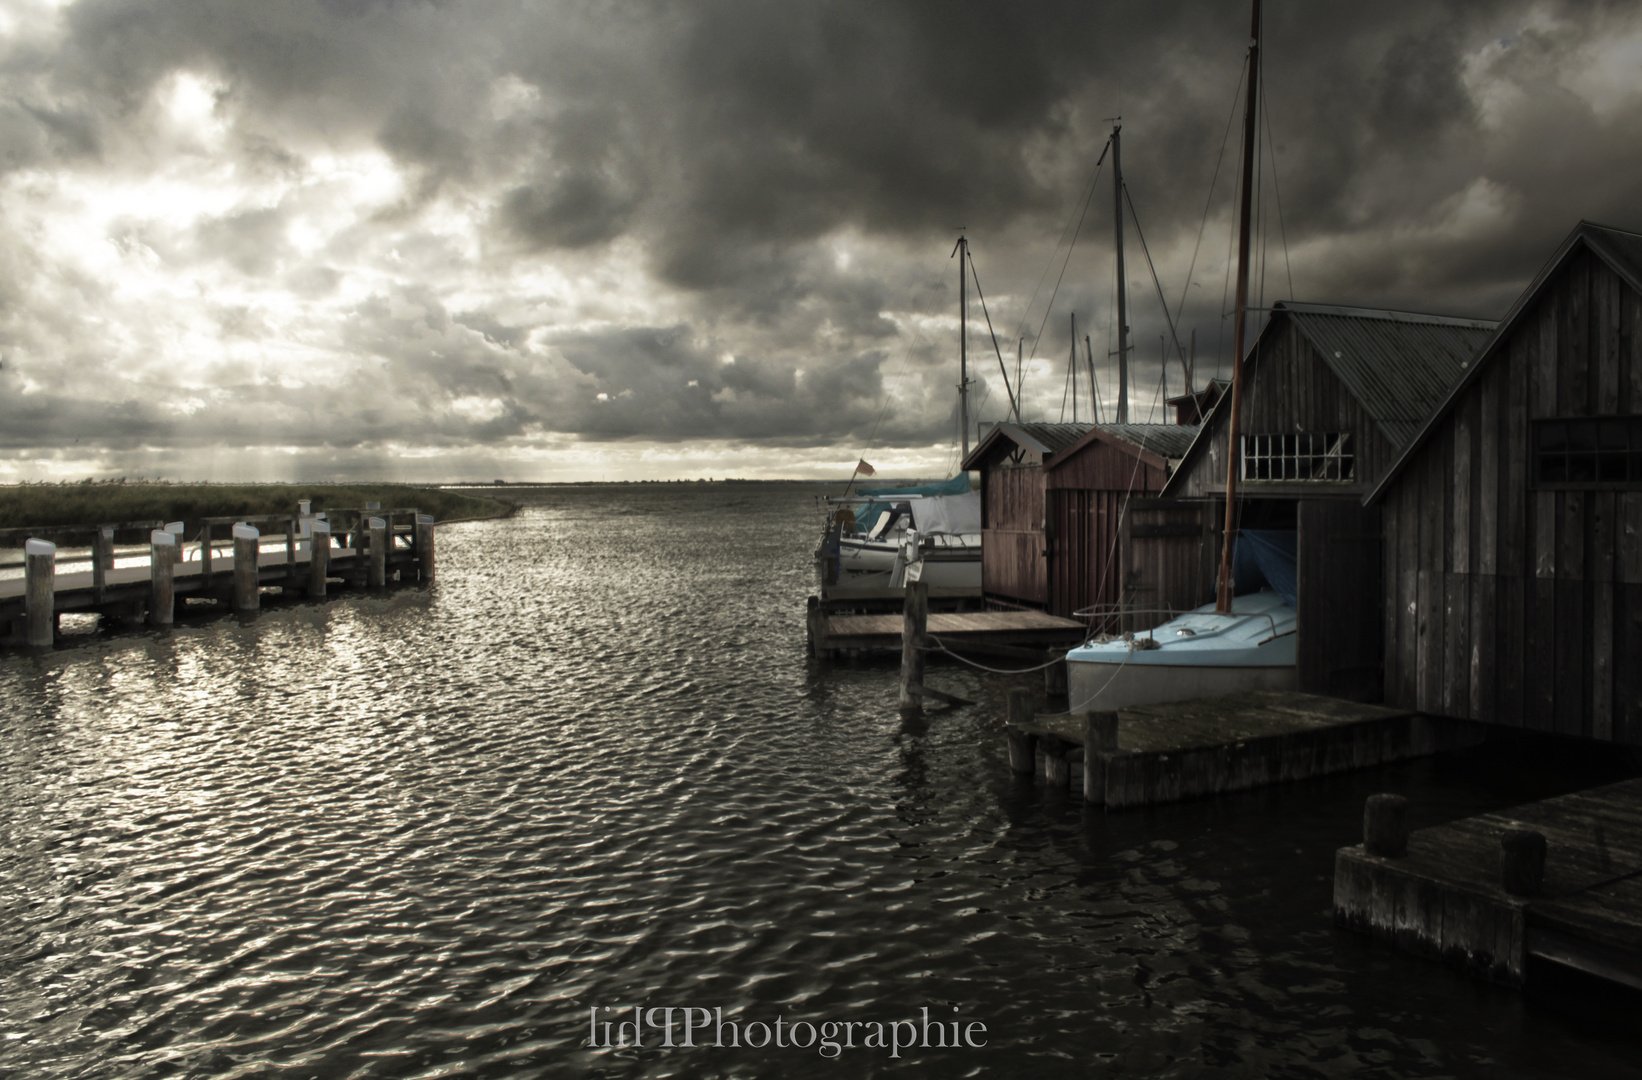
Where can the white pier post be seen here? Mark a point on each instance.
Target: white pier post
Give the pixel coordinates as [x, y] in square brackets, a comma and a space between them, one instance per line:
[162, 560]
[378, 565]
[319, 557]
[424, 546]
[246, 538]
[39, 598]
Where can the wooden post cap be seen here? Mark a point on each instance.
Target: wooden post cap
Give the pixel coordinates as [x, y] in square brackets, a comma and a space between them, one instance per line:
[174, 528]
[1385, 826]
[322, 526]
[1522, 862]
[39, 547]
[246, 532]
[1100, 731]
[162, 537]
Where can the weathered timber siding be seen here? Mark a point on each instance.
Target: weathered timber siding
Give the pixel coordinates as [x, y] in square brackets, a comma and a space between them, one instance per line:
[1085, 504]
[1169, 551]
[1012, 535]
[1288, 388]
[1505, 602]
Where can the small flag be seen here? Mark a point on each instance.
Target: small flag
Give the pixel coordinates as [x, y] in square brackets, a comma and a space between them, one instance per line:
[864, 469]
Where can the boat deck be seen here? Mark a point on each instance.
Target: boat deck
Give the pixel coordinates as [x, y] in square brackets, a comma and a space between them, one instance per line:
[1445, 900]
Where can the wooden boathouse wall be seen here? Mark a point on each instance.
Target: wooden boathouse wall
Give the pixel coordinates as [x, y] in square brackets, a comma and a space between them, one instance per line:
[1013, 564]
[1510, 600]
[1314, 369]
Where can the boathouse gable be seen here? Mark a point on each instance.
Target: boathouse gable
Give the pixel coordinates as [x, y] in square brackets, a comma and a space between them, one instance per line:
[1513, 520]
[1052, 498]
[1331, 394]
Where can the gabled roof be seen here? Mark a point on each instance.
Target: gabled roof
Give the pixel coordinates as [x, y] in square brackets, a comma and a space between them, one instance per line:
[1044, 439]
[1619, 249]
[1397, 364]
[1165, 440]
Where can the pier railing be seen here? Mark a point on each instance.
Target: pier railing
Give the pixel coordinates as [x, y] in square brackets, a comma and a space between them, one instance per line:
[373, 546]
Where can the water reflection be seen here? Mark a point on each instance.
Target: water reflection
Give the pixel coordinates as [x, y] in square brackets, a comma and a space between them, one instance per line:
[421, 834]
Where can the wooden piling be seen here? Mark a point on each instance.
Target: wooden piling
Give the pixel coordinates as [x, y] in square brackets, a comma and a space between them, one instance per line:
[246, 539]
[1522, 861]
[1385, 826]
[1022, 746]
[815, 625]
[102, 561]
[1057, 769]
[425, 563]
[291, 526]
[914, 623]
[378, 565]
[1054, 676]
[1099, 742]
[319, 558]
[39, 570]
[162, 558]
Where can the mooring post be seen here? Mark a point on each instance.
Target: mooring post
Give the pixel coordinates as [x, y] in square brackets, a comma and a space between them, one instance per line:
[816, 622]
[1054, 675]
[1057, 769]
[291, 525]
[39, 599]
[424, 547]
[914, 624]
[1099, 743]
[1022, 748]
[319, 557]
[246, 543]
[162, 561]
[1385, 826]
[205, 559]
[378, 566]
[102, 561]
[1522, 861]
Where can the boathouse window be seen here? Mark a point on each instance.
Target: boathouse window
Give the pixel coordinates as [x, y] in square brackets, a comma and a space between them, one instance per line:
[1305, 456]
[1597, 451]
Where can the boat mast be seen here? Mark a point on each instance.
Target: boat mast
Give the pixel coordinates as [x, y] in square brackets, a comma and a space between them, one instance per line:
[1223, 591]
[1122, 293]
[1072, 366]
[962, 251]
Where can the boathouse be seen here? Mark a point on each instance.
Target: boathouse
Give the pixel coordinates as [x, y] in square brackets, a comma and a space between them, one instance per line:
[1331, 396]
[1513, 516]
[1052, 496]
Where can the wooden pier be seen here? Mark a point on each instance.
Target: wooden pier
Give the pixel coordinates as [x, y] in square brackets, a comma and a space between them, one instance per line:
[1151, 754]
[1558, 880]
[853, 622]
[368, 548]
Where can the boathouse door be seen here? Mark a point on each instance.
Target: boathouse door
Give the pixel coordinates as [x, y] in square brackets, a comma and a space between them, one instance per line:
[1341, 645]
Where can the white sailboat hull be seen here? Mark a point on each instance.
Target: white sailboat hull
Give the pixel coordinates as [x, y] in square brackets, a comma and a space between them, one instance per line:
[1199, 654]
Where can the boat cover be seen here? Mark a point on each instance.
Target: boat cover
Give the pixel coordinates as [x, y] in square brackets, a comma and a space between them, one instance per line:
[958, 485]
[948, 514]
[1265, 559]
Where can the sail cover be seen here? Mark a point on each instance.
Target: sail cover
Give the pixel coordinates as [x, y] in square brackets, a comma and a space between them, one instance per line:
[1265, 558]
[948, 513]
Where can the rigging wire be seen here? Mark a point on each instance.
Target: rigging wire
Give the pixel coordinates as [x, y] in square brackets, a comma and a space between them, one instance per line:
[1225, 140]
[1050, 307]
[1276, 189]
[1014, 407]
[1156, 284]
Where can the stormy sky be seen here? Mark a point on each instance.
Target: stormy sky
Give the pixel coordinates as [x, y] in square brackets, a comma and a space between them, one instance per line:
[255, 239]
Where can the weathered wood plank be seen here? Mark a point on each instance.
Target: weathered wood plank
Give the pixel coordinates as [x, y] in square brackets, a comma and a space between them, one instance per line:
[1574, 340]
[1628, 535]
[1542, 398]
[1456, 645]
[1570, 561]
[1601, 688]
[1509, 702]
[1513, 543]
[1630, 349]
[1606, 304]
[1627, 675]
[1544, 512]
[1571, 653]
[1428, 692]
[1485, 537]
[1484, 647]
[1464, 426]
[1539, 654]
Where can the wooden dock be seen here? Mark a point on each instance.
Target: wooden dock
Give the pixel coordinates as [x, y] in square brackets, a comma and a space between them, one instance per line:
[361, 548]
[1453, 895]
[853, 622]
[1190, 749]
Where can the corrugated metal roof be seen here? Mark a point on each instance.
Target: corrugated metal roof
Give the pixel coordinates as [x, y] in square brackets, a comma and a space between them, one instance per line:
[1397, 364]
[1050, 438]
[1169, 440]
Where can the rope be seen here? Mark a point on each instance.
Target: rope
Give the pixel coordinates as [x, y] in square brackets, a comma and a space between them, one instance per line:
[976, 274]
[982, 667]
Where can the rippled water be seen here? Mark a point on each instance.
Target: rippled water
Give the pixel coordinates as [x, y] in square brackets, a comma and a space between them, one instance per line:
[423, 835]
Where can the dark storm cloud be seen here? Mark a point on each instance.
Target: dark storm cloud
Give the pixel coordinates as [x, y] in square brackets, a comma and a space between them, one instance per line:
[790, 178]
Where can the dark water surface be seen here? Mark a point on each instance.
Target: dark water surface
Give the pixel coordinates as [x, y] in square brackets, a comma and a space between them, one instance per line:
[422, 836]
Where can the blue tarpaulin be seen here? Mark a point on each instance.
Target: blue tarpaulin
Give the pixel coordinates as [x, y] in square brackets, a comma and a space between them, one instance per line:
[1265, 558]
[955, 486]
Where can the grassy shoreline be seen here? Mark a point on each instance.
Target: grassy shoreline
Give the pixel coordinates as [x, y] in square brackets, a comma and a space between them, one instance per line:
[45, 505]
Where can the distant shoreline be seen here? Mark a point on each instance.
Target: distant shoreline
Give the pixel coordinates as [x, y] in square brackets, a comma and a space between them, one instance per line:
[24, 506]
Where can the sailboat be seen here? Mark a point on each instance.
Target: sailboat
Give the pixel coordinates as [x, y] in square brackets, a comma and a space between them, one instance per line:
[931, 532]
[1220, 648]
